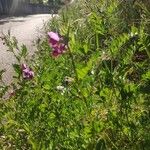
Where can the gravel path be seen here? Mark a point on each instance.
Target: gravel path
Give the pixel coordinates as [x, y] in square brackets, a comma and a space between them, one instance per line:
[26, 29]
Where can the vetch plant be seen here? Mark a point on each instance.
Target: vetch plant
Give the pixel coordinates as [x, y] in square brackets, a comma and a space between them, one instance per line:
[95, 97]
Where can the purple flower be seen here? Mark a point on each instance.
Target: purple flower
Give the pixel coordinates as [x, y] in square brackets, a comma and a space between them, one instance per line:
[58, 49]
[57, 44]
[55, 53]
[27, 72]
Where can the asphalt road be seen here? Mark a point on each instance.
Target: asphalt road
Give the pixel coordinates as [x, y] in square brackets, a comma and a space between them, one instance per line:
[26, 29]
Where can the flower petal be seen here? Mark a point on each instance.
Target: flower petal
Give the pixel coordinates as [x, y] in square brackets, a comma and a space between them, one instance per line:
[54, 36]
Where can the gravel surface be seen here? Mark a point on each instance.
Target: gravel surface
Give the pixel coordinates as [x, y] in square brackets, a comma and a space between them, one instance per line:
[26, 29]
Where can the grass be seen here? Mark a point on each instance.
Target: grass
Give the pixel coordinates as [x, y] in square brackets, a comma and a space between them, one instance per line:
[93, 96]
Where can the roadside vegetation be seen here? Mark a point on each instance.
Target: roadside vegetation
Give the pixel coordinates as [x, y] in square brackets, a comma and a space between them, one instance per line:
[87, 87]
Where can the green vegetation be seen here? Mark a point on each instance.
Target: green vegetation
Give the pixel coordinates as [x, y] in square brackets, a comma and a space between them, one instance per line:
[95, 95]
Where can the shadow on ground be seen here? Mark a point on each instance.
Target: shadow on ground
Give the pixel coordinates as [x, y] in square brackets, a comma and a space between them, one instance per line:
[7, 21]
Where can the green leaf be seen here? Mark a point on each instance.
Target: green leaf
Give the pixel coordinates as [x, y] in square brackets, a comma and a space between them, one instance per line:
[86, 49]
[17, 69]
[1, 73]
[146, 76]
[47, 87]
[84, 71]
[42, 107]
[23, 50]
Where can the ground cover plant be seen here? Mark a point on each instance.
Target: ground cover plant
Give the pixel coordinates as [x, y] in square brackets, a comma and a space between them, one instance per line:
[88, 84]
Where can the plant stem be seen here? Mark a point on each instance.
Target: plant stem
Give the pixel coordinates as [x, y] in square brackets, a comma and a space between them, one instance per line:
[76, 76]
[73, 64]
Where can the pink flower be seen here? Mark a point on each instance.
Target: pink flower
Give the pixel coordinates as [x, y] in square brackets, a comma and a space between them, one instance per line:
[53, 38]
[27, 72]
[57, 44]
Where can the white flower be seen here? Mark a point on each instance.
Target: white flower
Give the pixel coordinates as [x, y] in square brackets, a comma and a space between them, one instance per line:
[60, 88]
